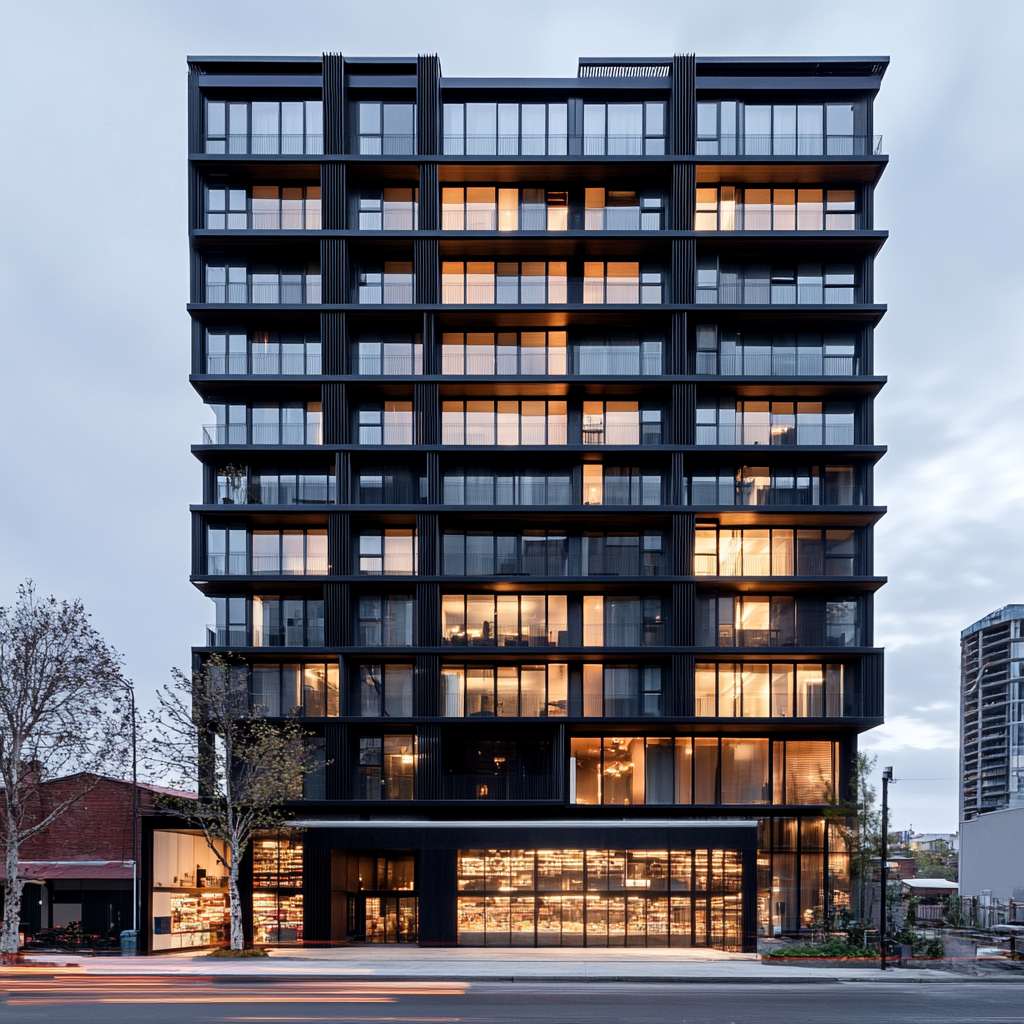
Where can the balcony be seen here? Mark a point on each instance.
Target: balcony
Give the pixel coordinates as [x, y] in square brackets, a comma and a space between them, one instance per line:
[232, 285]
[789, 145]
[290, 565]
[219, 635]
[500, 787]
[728, 491]
[632, 634]
[288, 636]
[392, 287]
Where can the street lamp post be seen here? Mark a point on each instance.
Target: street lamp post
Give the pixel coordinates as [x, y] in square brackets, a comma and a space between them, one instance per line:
[886, 779]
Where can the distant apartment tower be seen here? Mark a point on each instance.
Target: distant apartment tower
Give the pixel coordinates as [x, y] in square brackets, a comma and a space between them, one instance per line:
[992, 713]
[538, 479]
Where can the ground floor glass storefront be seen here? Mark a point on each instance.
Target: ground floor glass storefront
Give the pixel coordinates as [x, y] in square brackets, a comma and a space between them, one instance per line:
[600, 898]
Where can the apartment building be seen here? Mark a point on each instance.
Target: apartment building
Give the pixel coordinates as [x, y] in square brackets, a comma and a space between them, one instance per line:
[537, 478]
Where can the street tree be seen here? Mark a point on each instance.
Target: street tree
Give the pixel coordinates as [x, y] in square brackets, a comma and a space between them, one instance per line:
[63, 713]
[206, 740]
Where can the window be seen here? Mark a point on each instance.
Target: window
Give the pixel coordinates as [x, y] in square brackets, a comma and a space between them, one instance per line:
[507, 129]
[287, 622]
[619, 354]
[488, 486]
[620, 283]
[226, 283]
[760, 284]
[294, 353]
[729, 422]
[775, 690]
[505, 691]
[392, 284]
[622, 210]
[385, 423]
[384, 128]
[613, 621]
[290, 126]
[621, 691]
[777, 621]
[387, 552]
[386, 209]
[309, 689]
[226, 552]
[620, 423]
[231, 626]
[387, 768]
[386, 621]
[271, 208]
[504, 422]
[735, 551]
[290, 552]
[624, 129]
[782, 354]
[268, 486]
[620, 485]
[484, 283]
[780, 485]
[728, 208]
[504, 620]
[727, 127]
[265, 285]
[393, 353]
[507, 353]
[804, 772]
[294, 423]
[389, 485]
[382, 690]
[488, 208]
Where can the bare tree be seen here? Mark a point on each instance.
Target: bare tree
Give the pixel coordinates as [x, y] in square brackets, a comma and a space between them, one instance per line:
[243, 767]
[63, 712]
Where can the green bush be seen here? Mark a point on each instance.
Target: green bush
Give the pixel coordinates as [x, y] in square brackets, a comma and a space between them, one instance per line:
[832, 949]
[231, 954]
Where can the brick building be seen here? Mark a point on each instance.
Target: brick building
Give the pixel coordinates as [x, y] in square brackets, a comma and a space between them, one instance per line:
[81, 867]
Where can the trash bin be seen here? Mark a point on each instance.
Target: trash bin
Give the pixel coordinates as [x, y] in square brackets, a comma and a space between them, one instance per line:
[129, 942]
[906, 951]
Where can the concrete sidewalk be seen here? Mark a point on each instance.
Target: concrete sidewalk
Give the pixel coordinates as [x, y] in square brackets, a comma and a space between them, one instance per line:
[396, 963]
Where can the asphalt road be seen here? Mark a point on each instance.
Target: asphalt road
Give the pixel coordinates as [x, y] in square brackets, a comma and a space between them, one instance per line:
[159, 1000]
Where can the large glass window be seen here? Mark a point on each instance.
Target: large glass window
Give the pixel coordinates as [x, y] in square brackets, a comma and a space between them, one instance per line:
[620, 423]
[624, 129]
[263, 208]
[290, 552]
[385, 423]
[506, 129]
[615, 621]
[504, 691]
[384, 128]
[726, 421]
[621, 485]
[390, 552]
[485, 485]
[732, 353]
[385, 209]
[386, 620]
[748, 551]
[308, 689]
[774, 690]
[227, 552]
[505, 620]
[395, 353]
[621, 283]
[232, 351]
[762, 284]
[377, 690]
[504, 423]
[390, 283]
[777, 621]
[287, 622]
[621, 691]
[387, 767]
[289, 126]
[778, 485]
[728, 127]
[486, 283]
[507, 353]
[728, 208]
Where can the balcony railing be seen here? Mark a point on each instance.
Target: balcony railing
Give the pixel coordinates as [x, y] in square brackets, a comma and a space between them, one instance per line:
[711, 492]
[370, 784]
[234, 564]
[650, 634]
[500, 787]
[290, 565]
[790, 145]
[748, 361]
[288, 636]
[382, 145]
[388, 293]
[227, 636]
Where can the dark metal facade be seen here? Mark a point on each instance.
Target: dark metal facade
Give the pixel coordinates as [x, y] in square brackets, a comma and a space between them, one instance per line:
[312, 272]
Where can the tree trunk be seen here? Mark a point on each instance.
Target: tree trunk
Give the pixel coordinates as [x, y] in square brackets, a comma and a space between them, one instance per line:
[237, 937]
[12, 899]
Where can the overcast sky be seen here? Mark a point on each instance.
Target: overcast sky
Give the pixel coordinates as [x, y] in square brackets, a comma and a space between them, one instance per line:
[96, 408]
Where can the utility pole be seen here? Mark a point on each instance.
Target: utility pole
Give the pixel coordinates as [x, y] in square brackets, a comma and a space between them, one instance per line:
[886, 779]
